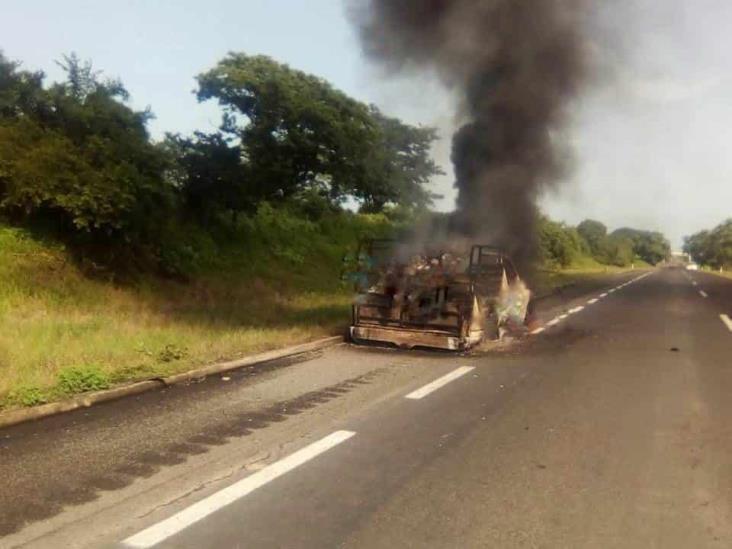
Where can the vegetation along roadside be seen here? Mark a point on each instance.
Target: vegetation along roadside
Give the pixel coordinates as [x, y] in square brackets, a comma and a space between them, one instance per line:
[124, 257]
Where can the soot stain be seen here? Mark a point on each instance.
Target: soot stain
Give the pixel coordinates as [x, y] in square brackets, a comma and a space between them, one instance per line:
[110, 482]
[146, 464]
[15, 518]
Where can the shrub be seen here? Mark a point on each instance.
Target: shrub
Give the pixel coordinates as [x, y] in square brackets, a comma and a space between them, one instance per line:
[27, 396]
[171, 353]
[81, 379]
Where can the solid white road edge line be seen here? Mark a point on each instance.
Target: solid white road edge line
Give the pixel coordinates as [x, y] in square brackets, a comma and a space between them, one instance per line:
[438, 383]
[537, 331]
[703, 293]
[562, 317]
[727, 321]
[200, 510]
[553, 322]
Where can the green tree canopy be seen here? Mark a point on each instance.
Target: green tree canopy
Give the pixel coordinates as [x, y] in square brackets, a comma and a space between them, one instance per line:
[618, 251]
[594, 234]
[713, 247]
[296, 132]
[208, 172]
[400, 166]
[650, 246]
[76, 154]
[560, 245]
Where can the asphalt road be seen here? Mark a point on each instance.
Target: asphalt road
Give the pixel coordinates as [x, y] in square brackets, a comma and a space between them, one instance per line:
[607, 428]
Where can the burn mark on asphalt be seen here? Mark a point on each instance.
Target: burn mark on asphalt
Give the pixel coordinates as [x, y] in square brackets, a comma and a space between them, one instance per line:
[188, 449]
[137, 469]
[43, 502]
[109, 483]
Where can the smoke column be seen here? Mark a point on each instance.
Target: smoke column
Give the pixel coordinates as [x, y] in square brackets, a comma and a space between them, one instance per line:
[516, 65]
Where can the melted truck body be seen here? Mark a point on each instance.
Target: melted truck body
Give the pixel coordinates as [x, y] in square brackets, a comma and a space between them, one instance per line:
[446, 300]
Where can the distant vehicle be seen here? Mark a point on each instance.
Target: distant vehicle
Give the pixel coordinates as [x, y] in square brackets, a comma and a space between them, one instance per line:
[444, 299]
[692, 267]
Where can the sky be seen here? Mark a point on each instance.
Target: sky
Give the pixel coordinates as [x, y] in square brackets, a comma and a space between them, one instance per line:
[652, 134]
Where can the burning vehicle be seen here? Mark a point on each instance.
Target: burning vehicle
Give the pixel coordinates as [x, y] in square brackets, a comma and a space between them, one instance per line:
[446, 298]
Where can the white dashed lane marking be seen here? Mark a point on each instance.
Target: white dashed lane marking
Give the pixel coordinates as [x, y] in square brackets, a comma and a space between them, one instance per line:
[703, 293]
[727, 321]
[169, 527]
[580, 308]
[438, 383]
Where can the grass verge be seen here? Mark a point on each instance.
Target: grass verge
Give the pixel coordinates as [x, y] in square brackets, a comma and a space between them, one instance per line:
[717, 272]
[546, 281]
[63, 333]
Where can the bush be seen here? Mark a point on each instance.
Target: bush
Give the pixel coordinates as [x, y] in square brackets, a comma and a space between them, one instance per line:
[27, 396]
[172, 353]
[82, 379]
[77, 158]
[560, 245]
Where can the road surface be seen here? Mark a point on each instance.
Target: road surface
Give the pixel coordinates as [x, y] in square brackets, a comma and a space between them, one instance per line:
[611, 427]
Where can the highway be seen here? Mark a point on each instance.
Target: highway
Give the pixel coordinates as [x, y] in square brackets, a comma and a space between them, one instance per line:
[609, 426]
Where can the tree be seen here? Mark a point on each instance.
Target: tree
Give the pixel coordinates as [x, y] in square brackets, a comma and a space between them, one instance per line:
[399, 168]
[698, 247]
[560, 245]
[295, 129]
[713, 248]
[650, 246]
[76, 155]
[81, 78]
[623, 245]
[208, 172]
[297, 133]
[594, 234]
[721, 244]
[21, 92]
[618, 251]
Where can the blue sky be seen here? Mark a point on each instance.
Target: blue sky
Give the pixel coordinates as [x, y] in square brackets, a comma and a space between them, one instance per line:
[158, 46]
[652, 136]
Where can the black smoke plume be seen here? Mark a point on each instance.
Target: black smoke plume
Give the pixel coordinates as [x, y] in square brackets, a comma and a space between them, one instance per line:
[516, 65]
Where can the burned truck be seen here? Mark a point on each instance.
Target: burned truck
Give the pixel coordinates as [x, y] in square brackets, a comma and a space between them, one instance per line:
[447, 298]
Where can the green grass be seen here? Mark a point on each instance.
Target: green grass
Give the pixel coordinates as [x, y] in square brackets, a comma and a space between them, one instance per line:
[276, 283]
[545, 281]
[723, 274]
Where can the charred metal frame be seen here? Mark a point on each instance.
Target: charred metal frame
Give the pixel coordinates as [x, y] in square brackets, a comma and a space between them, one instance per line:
[479, 284]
